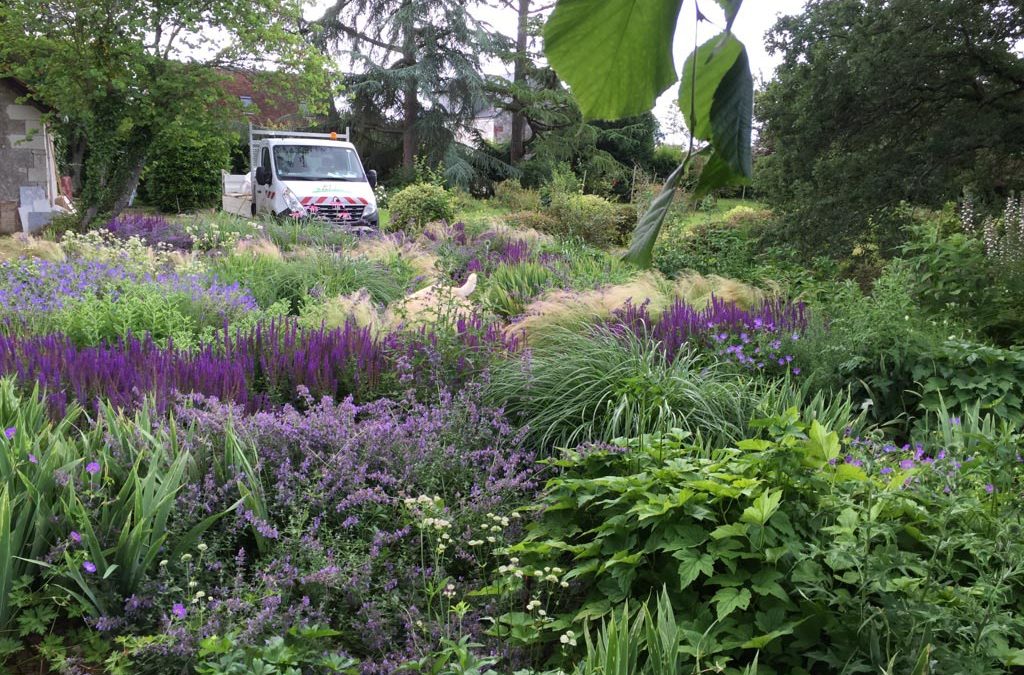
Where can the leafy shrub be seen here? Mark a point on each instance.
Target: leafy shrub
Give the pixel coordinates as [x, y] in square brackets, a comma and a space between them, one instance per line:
[957, 375]
[595, 384]
[184, 172]
[590, 218]
[714, 248]
[666, 159]
[870, 343]
[418, 204]
[772, 551]
[956, 276]
[515, 197]
[535, 220]
[185, 311]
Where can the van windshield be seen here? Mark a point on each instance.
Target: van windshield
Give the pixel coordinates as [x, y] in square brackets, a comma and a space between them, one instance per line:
[317, 162]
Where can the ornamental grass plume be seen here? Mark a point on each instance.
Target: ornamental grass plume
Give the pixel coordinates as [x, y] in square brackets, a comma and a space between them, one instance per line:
[23, 246]
[566, 308]
[697, 290]
[259, 247]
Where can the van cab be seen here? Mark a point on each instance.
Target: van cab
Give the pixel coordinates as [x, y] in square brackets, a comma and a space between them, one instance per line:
[311, 175]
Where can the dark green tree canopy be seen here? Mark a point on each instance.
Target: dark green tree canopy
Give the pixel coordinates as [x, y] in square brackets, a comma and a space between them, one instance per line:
[881, 101]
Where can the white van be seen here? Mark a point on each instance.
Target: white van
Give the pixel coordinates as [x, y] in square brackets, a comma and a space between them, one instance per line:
[309, 175]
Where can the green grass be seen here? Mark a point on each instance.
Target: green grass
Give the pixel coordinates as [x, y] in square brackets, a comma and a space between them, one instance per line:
[685, 218]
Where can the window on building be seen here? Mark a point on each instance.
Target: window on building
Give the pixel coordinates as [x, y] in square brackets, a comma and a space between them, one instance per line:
[246, 101]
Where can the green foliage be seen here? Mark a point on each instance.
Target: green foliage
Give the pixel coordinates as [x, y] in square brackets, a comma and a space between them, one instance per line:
[533, 220]
[511, 287]
[585, 384]
[315, 273]
[716, 93]
[953, 277]
[515, 197]
[713, 248]
[870, 342]
[295, 652]
[120, 504]
[184, 171]
[186, 318]
[589, 218]
[766, 551]
[418, 204]
[116, 92]
[846, 144]
[958, 375]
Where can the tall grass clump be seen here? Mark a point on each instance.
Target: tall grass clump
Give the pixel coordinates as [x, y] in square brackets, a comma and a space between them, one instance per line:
[599, 383]
[312, 275]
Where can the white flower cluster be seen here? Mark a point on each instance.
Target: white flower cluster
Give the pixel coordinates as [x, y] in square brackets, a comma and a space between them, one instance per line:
[568, 638]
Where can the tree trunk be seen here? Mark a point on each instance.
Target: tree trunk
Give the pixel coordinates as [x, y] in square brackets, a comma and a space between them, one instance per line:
[517, 146]
[117, 190]
[410, 111]
[410, 98]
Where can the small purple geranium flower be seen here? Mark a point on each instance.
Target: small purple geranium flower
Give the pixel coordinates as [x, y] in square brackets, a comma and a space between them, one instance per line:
[92, 468]
[89, 566]
[9, 432]
[886, 470]
[989, 488]
[179, 610]
[32, 458]
[907, 464]
[75, 537]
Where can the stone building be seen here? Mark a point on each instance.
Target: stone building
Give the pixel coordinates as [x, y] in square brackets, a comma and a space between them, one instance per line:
[28, 170]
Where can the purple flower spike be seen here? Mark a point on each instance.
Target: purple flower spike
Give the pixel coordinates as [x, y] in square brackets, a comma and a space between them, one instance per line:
[89, 567]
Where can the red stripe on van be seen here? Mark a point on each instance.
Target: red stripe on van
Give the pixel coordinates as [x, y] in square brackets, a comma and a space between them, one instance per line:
[362, 200]
[321, 200]
[306, 200]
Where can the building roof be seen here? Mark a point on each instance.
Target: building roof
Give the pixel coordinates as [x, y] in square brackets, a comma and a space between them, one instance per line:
[271, 107]
[23, 90]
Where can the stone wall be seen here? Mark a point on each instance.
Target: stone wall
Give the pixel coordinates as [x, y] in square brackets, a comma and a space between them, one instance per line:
[22, 161]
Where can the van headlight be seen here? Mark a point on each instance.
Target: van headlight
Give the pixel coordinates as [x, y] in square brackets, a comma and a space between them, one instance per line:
[291, 200]
[370, 209]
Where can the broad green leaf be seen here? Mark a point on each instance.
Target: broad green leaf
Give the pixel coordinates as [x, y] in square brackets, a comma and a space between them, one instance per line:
[763, 508]
[732, 114]
[646, 232]
[704, 70]
[693, 565]
[728, 599]
[616, 55]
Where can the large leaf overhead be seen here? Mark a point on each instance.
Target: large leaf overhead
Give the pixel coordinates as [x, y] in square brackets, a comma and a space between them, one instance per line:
[616, 55]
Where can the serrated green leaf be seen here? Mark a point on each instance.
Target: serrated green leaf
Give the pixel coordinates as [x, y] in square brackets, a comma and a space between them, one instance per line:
[729, 599]
[692, 565]
[616, 55]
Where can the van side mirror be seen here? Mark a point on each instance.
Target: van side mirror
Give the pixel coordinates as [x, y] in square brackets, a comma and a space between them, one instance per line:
[261, 176]
[371, 177]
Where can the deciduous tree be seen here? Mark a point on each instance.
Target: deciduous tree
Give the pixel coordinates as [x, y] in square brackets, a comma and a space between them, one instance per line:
[119, 72]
